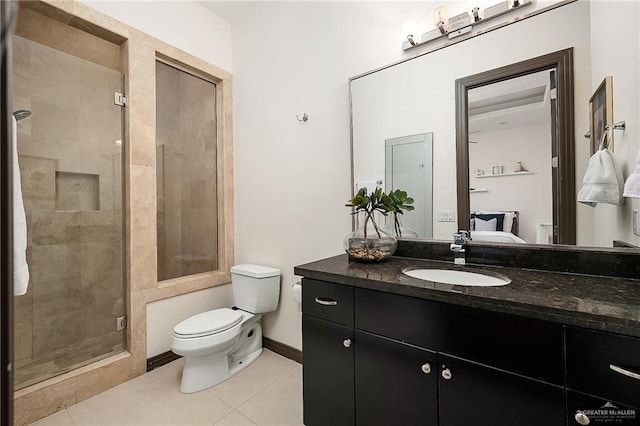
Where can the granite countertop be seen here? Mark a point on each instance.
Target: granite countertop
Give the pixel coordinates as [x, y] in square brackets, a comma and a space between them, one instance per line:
[596, 302]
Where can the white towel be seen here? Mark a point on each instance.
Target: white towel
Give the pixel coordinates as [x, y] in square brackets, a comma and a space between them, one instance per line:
[602, 182]
[20, 267]
[632, 186]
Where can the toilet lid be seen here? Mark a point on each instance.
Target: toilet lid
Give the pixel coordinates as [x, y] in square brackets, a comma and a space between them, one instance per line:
[209, 322]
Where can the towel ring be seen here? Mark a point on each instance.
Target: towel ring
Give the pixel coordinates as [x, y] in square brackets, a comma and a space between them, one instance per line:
[304, 118]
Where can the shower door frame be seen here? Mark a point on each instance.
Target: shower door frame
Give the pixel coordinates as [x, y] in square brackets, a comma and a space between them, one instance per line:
[7, 15]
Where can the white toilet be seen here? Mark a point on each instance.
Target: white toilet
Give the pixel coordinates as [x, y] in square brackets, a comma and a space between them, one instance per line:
[217, 344]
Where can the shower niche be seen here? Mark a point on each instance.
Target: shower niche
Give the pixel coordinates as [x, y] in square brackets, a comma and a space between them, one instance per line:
[77, 191]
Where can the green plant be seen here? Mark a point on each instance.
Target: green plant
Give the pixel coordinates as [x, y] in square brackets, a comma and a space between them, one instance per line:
[377, 201]
[400, 202]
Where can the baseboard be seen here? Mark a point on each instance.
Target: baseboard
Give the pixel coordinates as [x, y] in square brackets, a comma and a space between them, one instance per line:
[161, 359]
[282, 349]
[277, 347]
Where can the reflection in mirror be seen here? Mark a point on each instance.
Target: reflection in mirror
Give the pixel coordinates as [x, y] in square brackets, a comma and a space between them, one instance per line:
[530, 105]
[510, 157]
[409, 166]
[417, 96]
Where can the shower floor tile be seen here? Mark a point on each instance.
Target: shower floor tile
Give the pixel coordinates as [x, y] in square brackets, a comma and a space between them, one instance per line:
[29, 371]
[267, 392]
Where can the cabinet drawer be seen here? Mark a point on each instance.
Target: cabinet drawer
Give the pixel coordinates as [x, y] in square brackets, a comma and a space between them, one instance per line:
[521, 345]
[328, 301]
[585, 409]
[604, 364]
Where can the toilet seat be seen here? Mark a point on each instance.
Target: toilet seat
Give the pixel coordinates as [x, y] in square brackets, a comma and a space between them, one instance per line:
[208, 323]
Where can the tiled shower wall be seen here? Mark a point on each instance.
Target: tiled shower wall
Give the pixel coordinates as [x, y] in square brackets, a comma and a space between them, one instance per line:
[186, 173]
[71, 169]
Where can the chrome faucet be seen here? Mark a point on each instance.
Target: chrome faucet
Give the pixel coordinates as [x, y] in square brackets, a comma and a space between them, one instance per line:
[458, 247]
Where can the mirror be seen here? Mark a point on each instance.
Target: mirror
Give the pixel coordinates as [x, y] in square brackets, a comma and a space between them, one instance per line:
[418, 96]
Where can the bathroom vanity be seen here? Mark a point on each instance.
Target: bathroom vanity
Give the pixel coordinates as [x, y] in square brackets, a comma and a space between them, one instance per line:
[383, 348]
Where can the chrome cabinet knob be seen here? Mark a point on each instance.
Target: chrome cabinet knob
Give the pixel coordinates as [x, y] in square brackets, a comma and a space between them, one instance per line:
[582, 418]
[426, 368]
[446, 374]
[346, 343]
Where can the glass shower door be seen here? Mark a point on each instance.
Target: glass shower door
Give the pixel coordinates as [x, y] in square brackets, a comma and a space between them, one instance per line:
[70, 156]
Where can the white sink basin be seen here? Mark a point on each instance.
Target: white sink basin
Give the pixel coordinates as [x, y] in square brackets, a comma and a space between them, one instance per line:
[448, 276]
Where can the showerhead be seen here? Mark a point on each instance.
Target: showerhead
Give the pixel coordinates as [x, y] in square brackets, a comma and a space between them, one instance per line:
[21, 113]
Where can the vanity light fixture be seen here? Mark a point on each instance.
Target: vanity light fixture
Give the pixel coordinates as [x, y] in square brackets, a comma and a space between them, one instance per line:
[462, 23]
[440, 18]
[475, 14]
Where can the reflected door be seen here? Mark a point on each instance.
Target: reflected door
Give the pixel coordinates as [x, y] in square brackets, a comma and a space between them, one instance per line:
[409, 167]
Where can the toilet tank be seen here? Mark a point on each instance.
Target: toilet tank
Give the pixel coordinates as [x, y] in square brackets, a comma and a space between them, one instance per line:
[256, 288]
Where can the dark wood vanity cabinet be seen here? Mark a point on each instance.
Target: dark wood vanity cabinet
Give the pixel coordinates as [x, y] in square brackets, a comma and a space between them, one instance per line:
[377, 358]
[328, 354]
[491, 368]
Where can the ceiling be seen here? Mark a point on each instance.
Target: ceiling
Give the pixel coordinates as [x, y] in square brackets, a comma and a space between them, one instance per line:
[231, 10]
[517, 102]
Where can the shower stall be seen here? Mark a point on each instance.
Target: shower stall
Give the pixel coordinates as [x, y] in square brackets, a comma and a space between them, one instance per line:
[69, 139]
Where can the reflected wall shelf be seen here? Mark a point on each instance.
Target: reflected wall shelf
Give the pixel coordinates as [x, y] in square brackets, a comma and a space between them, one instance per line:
[506, 174]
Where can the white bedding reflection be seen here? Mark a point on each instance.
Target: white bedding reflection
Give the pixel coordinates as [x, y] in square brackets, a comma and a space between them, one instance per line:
[496, 237]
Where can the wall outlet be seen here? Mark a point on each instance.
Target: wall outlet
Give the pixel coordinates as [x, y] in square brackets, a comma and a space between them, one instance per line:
[636, 221]
[446, 216]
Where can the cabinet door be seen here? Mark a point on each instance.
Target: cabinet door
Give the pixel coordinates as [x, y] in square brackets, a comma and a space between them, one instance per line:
[473, 394]
[396, 383]
[327, 373]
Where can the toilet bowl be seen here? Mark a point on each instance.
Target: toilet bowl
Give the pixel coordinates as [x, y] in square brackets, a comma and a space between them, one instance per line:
[218, 344]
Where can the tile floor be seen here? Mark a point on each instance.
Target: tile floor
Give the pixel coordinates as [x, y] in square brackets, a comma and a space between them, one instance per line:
[267, 392]
[57, 361]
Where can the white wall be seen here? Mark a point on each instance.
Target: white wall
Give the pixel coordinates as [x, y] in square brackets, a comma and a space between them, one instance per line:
[184, 24]
[527, 193]
[615, 41]
[292, 180]
[163, 315]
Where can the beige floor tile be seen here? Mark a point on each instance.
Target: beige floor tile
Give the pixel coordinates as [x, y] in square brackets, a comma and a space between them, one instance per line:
[238, 389]
[151, 399]
[61, 418]
[235, 419]
[279, 404]
[269, 392]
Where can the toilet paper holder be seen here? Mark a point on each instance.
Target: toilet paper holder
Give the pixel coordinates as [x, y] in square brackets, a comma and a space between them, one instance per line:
[296, 290]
